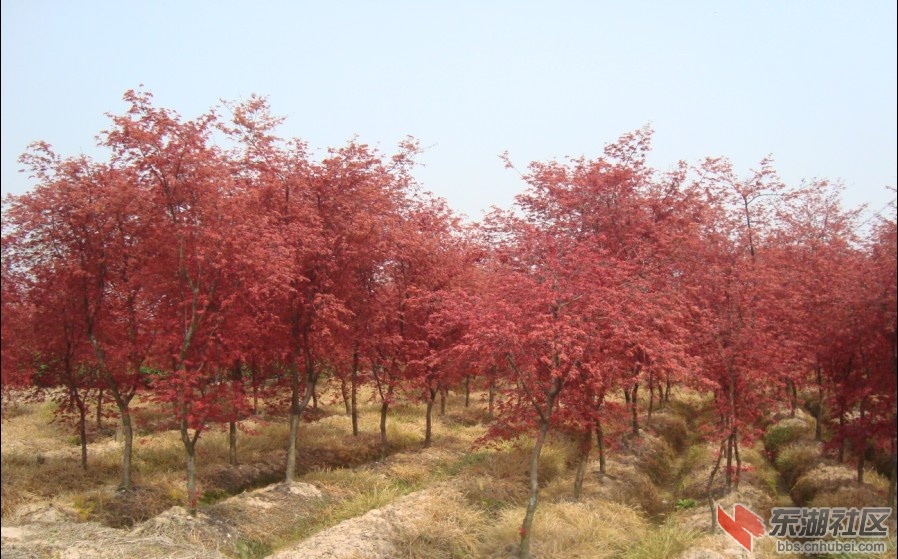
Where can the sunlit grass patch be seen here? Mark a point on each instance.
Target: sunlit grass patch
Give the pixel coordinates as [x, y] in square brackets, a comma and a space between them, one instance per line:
[564, 530]
[667, 541]
[837, 484]
[445, 527]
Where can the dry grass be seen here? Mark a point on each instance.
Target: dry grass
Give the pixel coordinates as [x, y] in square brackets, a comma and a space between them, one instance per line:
[564, 530]
[667, 541]
[446, 527]
[478, 516]
[795, 459]
[837, 484]
[672, 428]
[40, 463]
[493, 479]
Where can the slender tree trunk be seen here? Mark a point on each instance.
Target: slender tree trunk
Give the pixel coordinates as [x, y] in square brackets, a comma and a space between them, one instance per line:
[491, 406]
[384, 407]
[255, 399]
[792, 392]
[585, 447]
[862, 448]
[861, 461]
[467, 390]
[651, 393]
[297, 406]
[738, 473]
[189, 443]
[634, 410]
[600, 442]
[818, 428]
[100, 409]
[842, 440]
[729, 468]
[128, 438]
[710, 487]
[192, 497]
[232, 443]
[353, 393]
[314, 398]
[344, 391]
[428, 416]
[294, 423]
[527, 525]
[82, 431]
[667, 390]
[443, 391]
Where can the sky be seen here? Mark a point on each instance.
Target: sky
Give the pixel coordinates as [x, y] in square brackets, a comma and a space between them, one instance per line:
[811, 82]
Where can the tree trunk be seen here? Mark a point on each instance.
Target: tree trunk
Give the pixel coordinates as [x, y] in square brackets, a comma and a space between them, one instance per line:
[384, 406]
[255, 399]
[842, 440]
[729, 469]
[491, 406]
[585, 447]
[818, 428]
[793, 396]
[314, 398]
[667, 390]
[634, 409]
[82, 431]
[861, 461]
[862, 448]
[232, 443]
[534, 489]
[192, 497]
[711, 486]
[128, 438]
[189, 443]
[100, 409]
[344, 391]
[353, 394]
[467, 390]
[600, 442]
[738, 473]
[443, 391]
[428, 416]
[294, 423]
[297, 406]
[651, 393]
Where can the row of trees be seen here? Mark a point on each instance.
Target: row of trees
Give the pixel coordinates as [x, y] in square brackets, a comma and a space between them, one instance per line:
[204, 276]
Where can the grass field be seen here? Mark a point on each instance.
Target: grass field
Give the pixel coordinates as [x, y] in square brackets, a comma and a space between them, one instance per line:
[470, 498]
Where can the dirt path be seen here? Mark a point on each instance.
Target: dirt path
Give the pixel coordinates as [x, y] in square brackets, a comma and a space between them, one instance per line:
[47, 531]
[368, 536]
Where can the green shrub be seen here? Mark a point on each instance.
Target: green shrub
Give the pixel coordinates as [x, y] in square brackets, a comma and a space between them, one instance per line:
[684, 504]
[785, 432]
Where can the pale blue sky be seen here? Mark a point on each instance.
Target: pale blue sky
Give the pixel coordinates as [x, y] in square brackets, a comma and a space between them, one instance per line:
[814, 83]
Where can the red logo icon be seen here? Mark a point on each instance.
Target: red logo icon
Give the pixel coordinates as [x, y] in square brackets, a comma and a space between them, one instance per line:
[745, 525]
